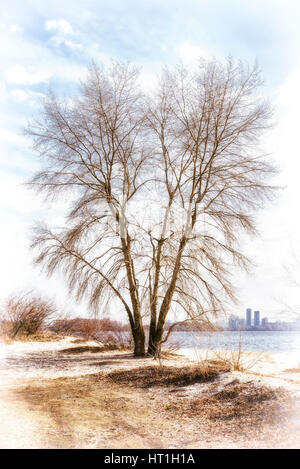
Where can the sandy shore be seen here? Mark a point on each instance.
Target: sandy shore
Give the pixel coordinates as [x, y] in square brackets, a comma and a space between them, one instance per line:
[50, 398]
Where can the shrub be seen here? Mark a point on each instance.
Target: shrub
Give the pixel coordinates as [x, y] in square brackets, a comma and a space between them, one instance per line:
[27, 314]
[105, 330]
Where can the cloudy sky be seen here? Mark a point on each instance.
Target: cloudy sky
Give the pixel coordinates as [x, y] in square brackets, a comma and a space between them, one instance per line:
[49, 44]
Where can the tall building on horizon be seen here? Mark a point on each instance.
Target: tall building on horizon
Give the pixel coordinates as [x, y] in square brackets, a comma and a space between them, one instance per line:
[256, 318]
[264, 322]
[248, 317]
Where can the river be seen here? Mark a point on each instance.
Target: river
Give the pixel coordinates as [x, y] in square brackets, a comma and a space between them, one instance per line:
[283, 346]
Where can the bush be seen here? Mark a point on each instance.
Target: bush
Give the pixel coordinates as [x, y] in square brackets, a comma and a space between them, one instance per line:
[27, 315]
[105, 330]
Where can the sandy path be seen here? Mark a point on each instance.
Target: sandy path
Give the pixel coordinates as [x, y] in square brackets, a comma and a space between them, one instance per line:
[20, 362]
[19, 427]
[23, 363]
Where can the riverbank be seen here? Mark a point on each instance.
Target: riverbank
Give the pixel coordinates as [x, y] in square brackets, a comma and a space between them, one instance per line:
[62, 394]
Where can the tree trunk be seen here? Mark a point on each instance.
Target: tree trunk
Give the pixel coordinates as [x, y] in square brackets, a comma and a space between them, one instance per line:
[152, 345]
[139, 341]
[156, 335]
[155, 338]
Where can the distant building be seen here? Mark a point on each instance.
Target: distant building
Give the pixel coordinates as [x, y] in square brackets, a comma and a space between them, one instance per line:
[264, 322]
[236, 323]
[231, 323]
[256, 318]
[248, 317]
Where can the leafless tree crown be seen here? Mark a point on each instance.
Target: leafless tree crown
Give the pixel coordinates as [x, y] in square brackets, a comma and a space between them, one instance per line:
[161, 188]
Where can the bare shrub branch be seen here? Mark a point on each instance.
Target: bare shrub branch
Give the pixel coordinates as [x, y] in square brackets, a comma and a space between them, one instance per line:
[27, 314]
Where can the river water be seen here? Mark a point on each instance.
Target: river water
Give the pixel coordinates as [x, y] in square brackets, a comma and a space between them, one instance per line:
[283, 346]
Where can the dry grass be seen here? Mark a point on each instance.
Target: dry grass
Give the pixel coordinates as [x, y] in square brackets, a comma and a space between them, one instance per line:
[92, 349]
[39, 337]
[239, 360]
[149, 376]
[5, 339]
[79, 341]
[292, 370]
[244, 404]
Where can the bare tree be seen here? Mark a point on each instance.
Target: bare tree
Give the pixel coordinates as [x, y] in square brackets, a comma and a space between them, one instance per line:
[162, 187]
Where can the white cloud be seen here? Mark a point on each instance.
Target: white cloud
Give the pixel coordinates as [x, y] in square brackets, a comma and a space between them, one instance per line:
[19, 95]
[189, 53]
[67, 71]
[286, 136]
[15, 196]
[148, 81]
[15, 28]
[60, 26]
[7, 136]
[3, 92]
[19, 74]
[59, 40]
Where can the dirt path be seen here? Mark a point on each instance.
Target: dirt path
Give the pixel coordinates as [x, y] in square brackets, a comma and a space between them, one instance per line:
[20, 425]
[24, 365]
